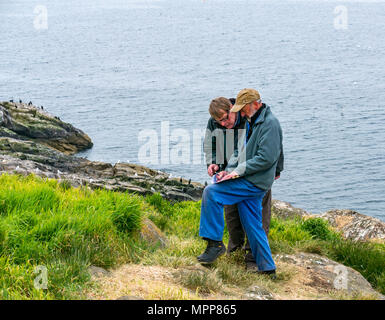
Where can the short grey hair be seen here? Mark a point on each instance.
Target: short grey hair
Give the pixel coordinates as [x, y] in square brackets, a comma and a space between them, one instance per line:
[259, 101]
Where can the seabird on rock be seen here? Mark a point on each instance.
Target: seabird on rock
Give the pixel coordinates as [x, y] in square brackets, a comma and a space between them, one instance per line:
[189, 182]
[20, 101]
[41, 107]
[30, 103]
[205, 183]
[11, 101]
[180, 180]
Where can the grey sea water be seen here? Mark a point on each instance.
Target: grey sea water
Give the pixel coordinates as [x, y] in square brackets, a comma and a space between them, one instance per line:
[115, 68]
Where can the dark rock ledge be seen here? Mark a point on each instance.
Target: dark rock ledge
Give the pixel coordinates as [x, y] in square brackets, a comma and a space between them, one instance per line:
[34, 141]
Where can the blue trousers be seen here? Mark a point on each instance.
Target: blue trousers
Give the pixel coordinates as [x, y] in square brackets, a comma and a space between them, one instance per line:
[249, 200]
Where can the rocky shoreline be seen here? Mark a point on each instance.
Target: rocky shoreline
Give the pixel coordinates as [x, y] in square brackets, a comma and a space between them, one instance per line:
[34, 141]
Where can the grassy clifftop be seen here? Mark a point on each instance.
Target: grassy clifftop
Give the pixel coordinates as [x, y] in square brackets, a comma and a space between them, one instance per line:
[43, 222]
[47, 223]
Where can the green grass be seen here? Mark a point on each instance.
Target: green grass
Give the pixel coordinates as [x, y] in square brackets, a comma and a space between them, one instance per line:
[367, 258]
[65, 229]
[47, 223]
[290, 235]
[201, 282]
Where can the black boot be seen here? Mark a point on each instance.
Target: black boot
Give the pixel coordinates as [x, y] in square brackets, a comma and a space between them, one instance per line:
[213, 251]
[271, 273]
[250, 262]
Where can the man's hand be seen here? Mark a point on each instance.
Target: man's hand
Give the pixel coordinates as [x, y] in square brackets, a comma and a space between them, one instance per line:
[220, 175]
[230, 176]
[223, 175]
[212, 169]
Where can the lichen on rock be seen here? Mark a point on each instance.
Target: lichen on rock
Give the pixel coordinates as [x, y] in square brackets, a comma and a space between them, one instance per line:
[30, 122]
[352, 225]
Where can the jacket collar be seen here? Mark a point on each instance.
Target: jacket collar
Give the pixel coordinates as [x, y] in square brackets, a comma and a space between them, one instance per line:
[259, 117]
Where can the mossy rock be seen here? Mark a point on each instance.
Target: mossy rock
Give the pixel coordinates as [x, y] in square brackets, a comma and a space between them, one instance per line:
[152, 234]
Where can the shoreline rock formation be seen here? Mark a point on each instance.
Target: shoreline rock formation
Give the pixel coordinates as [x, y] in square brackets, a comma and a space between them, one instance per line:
[351, 224]
[34, 141]
[19, 121]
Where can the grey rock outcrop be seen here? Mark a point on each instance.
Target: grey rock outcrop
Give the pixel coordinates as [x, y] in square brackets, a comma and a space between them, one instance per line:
[98, 271]
[33, 141]
[286, 210]
[257, 293]
[27, 122]
[352, 225]
[152, 234]
[326, 275]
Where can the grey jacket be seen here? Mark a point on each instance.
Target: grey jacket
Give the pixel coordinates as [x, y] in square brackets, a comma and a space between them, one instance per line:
[258, 159]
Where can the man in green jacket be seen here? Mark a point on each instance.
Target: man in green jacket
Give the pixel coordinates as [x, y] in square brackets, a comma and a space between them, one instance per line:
[252, 172]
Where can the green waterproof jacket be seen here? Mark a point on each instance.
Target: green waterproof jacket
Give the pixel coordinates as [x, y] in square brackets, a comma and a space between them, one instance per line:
[258, 159]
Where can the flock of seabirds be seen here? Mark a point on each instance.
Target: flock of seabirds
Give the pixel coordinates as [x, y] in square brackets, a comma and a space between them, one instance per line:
[29, 104]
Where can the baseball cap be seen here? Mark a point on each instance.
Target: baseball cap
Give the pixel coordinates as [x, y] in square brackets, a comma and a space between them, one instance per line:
[244, 97]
